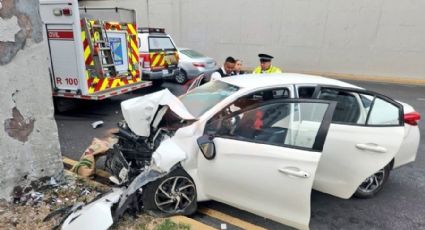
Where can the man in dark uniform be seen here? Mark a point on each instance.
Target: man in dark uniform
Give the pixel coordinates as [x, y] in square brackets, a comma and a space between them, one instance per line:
[226, 70]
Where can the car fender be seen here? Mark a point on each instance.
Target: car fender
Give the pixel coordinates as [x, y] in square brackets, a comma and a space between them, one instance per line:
[167, 155]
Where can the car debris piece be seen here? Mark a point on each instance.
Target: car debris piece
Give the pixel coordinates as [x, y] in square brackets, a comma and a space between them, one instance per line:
[53, 182]
[96, 124]
[129, 195]
[97, 213]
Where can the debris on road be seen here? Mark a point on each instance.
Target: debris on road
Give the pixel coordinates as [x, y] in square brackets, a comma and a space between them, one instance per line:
[41, 207]
[33, 203]
[223, 226]
[96, 124]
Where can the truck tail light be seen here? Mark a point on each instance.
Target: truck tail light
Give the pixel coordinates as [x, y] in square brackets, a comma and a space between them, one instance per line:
[67, 11]
[146, 61]
[412, 118]
[198, 64]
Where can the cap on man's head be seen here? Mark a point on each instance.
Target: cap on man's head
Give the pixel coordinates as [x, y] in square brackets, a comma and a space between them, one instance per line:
[265, 57]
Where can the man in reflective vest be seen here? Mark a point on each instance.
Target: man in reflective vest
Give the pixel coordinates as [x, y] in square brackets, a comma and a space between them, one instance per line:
[266, 65]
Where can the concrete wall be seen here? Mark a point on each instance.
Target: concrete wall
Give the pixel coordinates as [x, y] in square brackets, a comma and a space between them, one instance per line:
[28, 135]
[367, 37]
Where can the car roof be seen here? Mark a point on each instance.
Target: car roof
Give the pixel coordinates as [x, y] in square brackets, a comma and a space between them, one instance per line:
[266, 80]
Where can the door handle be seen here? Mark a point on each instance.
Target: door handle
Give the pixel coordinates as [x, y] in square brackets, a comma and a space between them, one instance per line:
[294, 172]
[371, 147]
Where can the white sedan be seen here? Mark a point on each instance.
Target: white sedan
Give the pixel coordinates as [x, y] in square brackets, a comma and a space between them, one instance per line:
[261, 143]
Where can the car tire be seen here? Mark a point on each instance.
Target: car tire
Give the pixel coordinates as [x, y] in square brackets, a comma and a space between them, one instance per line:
[160, 195]
[373, 184]
[181, 77]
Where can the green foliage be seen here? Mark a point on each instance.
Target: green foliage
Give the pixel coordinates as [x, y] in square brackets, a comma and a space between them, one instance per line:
[167, 224]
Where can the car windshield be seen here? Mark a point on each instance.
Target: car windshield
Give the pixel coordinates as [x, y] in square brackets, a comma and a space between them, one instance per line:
[192, 53]
[204, 97]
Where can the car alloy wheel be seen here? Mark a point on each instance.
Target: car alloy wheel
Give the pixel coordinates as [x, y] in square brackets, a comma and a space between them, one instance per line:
[175, 194]
[373, 182]
[181, 77]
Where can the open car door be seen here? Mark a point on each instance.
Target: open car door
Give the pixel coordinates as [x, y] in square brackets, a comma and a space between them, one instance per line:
[263, 158]
[366, 132]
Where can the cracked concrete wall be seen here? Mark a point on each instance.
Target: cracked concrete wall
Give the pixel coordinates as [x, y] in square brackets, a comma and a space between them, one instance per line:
[367, 37]
[28, 137]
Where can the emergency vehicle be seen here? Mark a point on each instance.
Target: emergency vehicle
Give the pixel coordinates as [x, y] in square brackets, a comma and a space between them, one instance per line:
[159, 57]
[93, 52]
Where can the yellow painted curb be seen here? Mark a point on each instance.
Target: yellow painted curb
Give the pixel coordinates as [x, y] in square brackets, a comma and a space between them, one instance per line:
[194, 225]
[229, 219]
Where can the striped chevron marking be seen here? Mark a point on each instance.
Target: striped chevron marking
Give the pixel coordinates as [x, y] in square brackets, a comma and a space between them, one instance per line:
[88, 59]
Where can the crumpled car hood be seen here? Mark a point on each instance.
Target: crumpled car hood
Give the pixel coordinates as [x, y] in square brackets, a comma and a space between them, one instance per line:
[139, 112]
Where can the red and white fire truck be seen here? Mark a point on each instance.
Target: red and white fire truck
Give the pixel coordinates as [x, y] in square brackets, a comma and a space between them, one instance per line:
[93, 52]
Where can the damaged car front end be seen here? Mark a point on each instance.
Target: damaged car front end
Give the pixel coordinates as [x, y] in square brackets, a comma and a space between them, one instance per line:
[139, 159]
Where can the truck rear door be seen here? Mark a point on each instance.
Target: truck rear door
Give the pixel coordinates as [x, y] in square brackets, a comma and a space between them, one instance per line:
[163, 52]
[62, 42]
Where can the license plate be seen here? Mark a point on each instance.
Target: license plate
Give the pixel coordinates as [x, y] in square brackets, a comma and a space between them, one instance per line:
[165, 71]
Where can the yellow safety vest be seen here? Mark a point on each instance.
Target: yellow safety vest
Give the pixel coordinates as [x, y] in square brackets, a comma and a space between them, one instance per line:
[272, 69]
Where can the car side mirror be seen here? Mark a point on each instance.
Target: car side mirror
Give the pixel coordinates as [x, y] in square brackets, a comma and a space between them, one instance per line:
[207, 146]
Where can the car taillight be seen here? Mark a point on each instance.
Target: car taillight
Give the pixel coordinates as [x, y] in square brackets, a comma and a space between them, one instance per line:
[198, 64]
[412, 118]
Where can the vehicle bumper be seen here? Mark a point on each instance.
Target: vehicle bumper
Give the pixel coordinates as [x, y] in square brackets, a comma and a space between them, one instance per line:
[159, 75]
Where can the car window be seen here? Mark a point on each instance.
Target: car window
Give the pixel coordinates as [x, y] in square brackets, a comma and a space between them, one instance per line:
[383, 113]
[253, 99]
[274, 124]
[192, 53]
[361, 108]
[347, 109]
[161, 43]
[202, 98]
[366, 100]
[306, 91]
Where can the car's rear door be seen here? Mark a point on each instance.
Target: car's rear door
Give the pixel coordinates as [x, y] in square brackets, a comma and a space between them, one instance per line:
[267, 166]
[366, 132]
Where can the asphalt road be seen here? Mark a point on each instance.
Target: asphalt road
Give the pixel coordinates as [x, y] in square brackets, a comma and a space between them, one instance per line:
[400, 205]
